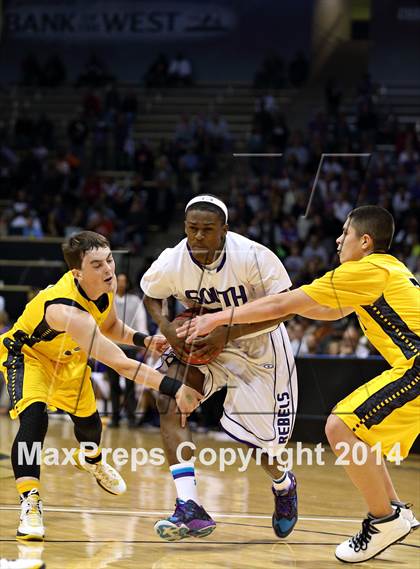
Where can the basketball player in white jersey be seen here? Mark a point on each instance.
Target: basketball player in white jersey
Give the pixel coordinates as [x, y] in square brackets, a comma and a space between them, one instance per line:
[218, 269]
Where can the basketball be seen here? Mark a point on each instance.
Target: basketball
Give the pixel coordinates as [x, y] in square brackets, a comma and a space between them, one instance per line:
[189, 314]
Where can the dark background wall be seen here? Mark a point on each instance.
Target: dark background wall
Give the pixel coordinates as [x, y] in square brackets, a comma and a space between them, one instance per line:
[395, 35]
[323, 381]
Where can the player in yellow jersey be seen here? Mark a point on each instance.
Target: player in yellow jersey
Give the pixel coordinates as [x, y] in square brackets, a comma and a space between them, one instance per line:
[385, 411]
[44, 359]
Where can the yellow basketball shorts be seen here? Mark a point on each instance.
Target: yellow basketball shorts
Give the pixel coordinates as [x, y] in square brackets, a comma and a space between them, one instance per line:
[386, 410]
[32, 377]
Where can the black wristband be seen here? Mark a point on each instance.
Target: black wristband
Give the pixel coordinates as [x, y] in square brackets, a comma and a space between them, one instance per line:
[138, 339]
[169, 386]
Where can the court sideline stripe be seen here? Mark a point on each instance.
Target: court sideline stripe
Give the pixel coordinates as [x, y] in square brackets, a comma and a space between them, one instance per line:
[198, 544]
[164, 513]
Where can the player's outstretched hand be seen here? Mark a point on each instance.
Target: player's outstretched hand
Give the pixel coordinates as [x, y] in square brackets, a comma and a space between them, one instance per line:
[177, 344]
[198, 326]
[156, 345]
[187, 399]
[211, 345]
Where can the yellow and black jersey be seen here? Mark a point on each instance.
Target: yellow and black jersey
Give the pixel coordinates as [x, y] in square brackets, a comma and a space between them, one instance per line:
[386, 298]
[32, 332]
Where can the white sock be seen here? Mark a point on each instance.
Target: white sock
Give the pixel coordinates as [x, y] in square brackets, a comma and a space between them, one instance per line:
[184, 478]
[282, 484]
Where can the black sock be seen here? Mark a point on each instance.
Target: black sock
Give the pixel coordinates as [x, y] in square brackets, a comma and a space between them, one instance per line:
[93, 460]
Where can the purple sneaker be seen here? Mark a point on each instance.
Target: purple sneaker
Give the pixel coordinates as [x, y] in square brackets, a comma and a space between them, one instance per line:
[188, 520]
[286, 509]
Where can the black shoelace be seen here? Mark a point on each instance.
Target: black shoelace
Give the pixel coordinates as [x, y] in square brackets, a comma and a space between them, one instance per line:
[361, 540]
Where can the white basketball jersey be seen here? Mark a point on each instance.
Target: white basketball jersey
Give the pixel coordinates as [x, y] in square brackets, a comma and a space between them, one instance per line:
[258, 368]
[244, 271]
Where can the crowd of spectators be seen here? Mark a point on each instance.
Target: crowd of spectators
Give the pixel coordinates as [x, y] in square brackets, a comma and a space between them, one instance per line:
[52, 73]
[341, 338]
[268, 197]
[57, 191]
[164, 72]
[58, 187]
[52, 169]
[274, 74]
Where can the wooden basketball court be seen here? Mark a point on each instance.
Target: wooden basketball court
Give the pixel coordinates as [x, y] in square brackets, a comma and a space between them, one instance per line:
[90, 529]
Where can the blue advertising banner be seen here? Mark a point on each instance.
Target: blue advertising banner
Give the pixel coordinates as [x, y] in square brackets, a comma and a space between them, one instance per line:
[123, 21]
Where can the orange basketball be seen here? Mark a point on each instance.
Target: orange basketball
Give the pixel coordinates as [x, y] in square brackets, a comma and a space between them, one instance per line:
[182, 317]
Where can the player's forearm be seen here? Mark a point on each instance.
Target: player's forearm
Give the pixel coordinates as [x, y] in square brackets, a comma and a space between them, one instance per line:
[105, 351]
[326, 313]
[123, 334]
[148, 377]
[111, 355]
[139, 373]
[154, 307]
[120, 333]
[239, 330]
[262, 310]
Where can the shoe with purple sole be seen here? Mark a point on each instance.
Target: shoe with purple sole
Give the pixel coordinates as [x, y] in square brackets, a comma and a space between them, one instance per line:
[188, 520]
[285, 509]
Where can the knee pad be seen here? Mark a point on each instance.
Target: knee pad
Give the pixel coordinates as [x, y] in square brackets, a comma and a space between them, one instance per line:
[88, 429]
[33, 422]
